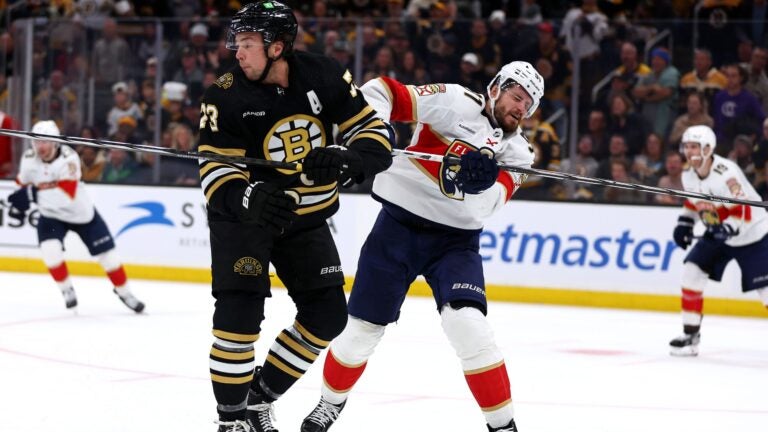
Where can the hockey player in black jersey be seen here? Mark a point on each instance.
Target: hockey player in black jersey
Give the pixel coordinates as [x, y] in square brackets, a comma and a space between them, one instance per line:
[277, 105]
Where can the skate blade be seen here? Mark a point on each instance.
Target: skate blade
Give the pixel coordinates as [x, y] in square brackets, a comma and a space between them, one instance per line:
[689, 351]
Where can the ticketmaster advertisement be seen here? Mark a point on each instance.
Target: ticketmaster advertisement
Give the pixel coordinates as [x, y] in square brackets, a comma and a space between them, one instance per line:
[559, 246]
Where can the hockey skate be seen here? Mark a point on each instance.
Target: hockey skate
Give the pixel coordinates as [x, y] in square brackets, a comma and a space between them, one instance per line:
[686, 345]
[233, 426]
[510, 427]
[322, 417]
[70, 299]
[259, 415]
[129, 300]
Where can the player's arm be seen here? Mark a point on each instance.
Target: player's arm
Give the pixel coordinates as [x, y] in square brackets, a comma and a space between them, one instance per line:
[220, 134]
[367, 140]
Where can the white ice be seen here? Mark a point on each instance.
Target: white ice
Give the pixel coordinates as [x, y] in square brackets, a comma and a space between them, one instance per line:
[572, 369]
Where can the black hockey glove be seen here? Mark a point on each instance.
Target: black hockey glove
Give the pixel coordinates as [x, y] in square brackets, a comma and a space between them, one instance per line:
[720, 232]
[21, 199]
[478, 172]
[268, 206]
[325, 165]
[683, 233]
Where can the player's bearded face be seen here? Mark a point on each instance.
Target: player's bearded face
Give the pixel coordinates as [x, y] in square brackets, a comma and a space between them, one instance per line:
[250, 54]
[511, 106]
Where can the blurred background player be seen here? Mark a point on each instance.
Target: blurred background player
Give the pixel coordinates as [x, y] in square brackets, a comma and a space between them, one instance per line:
[430, 223]
[49, 175]
[732, 232]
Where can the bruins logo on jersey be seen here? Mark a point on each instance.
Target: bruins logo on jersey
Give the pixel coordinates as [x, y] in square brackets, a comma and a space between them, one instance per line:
[248, 266]
[224, 81]
[291, 138]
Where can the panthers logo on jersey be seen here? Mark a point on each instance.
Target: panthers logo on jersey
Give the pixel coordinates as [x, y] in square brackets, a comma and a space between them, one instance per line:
[291, 138]
[448, 172]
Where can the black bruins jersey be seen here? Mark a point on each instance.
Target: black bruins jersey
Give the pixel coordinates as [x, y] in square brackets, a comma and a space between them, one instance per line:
[239, 117]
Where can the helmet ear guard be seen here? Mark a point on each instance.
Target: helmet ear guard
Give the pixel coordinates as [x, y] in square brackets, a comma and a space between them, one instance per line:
[523, 74]
[272, 19]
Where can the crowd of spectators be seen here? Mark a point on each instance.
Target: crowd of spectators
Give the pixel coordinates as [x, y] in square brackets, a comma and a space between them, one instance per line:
[143, 77]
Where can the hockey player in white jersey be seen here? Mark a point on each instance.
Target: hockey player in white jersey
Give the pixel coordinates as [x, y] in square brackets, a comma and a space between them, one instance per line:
[49, 176]
[431, 218]
[732, 232]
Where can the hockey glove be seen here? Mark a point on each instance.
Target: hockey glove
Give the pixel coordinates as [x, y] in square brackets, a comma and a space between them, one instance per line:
[268, 206]
[478, 172]
[720, 232]
[325, 165]
[21, 199]
[683, 233]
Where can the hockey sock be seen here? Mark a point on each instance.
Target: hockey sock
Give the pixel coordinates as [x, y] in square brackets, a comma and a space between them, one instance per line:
[111, 264]
[294, 351]
[231, 364]
[693, 304]
[60, 274]
[339, 378]
[491, 389]
[118, 277]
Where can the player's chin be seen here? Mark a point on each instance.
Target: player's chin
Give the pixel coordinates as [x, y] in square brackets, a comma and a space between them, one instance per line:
[510, 124]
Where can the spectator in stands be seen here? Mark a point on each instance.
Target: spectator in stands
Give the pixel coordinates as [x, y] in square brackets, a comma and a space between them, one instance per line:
[617, 149]
[147, 45]
[630, 71]
[742, 155]
[620, 173]
[126, 131]
[6, 147]
[176, 171]
[123, 106]
[583, 164]
[696, 114]
[58, 103]
[198, 44]
[468, 71]
[111, 55]
[547, 155]
[624, 121]
[485, 48]
[341, 51]
[648, 165]
[757, 81]
[592, 26]
[384, 63]
[120, 167]
[92, 163]
[735, 110]
[760, 153]
[597, 129]
[150, 69]
[673, 179]
[221, 59]
[657, 92]
[190, 72]
[704, 78]
[173, 100]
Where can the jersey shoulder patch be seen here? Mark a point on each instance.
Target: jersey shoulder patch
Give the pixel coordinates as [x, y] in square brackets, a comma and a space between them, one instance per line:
[225, 81]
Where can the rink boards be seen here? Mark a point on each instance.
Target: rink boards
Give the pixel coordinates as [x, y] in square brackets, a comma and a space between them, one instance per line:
[539, 252]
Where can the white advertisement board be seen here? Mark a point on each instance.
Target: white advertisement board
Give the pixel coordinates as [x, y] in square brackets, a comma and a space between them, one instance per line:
[531, 244]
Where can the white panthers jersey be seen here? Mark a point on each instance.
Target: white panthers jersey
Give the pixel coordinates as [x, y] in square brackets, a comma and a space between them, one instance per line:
[451, 120]
[60, 194]
[726, 179]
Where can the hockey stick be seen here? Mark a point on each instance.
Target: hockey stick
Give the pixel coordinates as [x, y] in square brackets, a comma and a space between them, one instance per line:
[154, 149]
[454, 160]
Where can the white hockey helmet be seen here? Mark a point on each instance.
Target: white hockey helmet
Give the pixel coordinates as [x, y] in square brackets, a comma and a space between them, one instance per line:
[45, 127]
[523, 74]
[704, 136]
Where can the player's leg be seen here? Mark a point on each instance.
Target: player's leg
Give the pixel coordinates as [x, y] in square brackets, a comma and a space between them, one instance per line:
[50, 235]
[459, 287]
[308, 263]
[240, 255]
[381, 283]
[754, 273]
[97, 238]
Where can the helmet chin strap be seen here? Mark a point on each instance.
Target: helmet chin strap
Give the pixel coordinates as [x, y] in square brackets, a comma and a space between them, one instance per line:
[266, 69]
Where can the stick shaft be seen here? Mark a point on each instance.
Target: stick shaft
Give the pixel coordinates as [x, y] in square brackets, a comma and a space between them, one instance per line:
[153, 149]
[589, 180]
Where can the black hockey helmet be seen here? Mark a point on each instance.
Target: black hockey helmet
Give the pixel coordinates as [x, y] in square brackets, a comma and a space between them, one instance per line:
[274, 20]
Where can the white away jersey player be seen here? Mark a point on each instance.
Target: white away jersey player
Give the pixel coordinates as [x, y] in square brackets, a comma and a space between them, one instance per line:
[451, 120]
[60, 194]
[726, 179]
